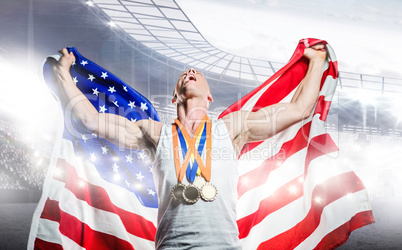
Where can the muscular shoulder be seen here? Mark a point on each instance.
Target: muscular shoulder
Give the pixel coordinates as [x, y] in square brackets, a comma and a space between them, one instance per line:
[146, 137]
[150, 129]
[235, 124]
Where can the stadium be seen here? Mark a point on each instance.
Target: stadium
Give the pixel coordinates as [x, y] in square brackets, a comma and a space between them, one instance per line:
[148, 50]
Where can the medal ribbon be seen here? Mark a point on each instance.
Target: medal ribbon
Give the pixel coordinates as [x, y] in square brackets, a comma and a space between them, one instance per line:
[192, 171]
[181, 169]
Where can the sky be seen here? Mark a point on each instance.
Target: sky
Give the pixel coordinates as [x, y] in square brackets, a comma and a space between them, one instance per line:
[365, 34]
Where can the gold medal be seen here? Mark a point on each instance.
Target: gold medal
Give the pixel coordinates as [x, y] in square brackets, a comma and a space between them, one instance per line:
[209, 192]
[191, 194]
[199, 182]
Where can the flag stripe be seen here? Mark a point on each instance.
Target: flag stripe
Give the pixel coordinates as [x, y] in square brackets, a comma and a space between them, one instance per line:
[335, 215]
[44, 245]
[97, 197]
[283, 86]
[119, 196]
[260, 174]
[98, 220]
[272, 203]
[322, 108]
[289, 170]
[331, 191]
[318, 146]
[288, 217]
[343, 232]
[49, 231]
[268, 206]
[80, 232]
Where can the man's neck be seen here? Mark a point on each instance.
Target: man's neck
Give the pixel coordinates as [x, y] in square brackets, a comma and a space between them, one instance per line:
[190, 114]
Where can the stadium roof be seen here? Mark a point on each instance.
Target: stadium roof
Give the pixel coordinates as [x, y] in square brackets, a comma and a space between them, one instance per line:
[162, 26]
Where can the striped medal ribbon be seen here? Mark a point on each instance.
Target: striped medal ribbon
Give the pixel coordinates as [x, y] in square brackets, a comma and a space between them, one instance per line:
[199, 186]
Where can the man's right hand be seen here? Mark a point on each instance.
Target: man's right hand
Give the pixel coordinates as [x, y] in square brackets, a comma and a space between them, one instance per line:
[316, 52]
[66, 59]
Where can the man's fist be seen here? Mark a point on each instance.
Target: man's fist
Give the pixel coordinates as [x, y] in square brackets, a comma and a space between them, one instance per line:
[316, 52]
[66, 59]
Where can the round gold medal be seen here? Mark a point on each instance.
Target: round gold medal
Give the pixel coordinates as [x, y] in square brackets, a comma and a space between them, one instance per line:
[209, 192]
[199, 182]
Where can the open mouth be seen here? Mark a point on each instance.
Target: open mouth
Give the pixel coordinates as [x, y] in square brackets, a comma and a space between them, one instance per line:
[191, 77]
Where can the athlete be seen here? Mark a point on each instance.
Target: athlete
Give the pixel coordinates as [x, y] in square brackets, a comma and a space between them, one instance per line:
[187, 156]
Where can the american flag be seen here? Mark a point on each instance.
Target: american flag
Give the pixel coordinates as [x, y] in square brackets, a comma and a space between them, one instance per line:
[295, 195]
[97, 196]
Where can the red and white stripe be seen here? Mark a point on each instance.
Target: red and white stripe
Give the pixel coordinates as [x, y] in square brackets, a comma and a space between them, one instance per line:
[83, 211]
[297, 196]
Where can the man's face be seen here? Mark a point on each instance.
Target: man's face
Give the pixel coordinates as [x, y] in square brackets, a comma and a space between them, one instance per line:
[191, 83]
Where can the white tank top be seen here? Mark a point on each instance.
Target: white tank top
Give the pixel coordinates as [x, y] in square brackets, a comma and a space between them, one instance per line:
[203, 225]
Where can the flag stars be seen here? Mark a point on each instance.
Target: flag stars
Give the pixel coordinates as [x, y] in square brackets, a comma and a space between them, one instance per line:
[141, 155]
[127, 183]
[74, 63]
[75, 80]
[129, 158]
[144, 106]
[83, 62]
[104, 150]
[151, 192]
[125, 88]
[139, 176]
[91, 77]
[131, 104]
[84, 138]
[102, 109]
[111, 89]
[133, 120]
[115, 103]
[95, 91]
[115, 167]
[104, 75]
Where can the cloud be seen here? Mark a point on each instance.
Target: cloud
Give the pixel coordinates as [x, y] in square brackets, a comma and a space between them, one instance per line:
[363, 33]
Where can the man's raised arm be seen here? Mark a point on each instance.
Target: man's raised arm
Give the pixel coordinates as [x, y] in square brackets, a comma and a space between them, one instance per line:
[245, 127]
[140, 135]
